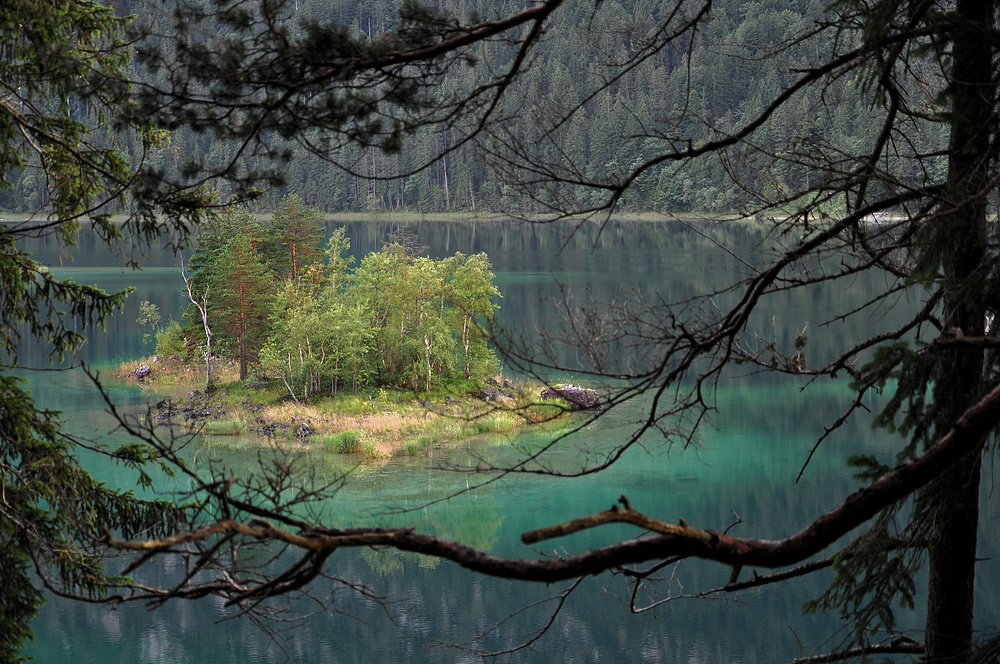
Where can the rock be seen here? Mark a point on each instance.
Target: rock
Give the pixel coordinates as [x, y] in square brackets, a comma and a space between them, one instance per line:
[303, 431]
[579, 398]
[490, 394]
[270, 428]
[142, 372]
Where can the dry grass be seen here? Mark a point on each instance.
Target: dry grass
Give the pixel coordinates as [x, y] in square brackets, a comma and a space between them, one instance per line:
[385, 434]
[377, 426]
[406, 429]
[173, 372]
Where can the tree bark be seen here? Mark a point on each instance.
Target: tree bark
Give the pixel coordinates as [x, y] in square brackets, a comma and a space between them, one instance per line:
[951, 582]
[955, 515]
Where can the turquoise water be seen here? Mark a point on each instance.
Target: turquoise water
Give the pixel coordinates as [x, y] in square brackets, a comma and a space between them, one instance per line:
[742, 466]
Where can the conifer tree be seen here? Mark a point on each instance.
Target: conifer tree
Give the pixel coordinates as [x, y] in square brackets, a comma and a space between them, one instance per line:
[61, 74]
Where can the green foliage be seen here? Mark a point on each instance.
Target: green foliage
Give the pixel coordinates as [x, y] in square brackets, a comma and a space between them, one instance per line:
[231, 427]
[731, 85]
[149, 315]
[427, 316]
[242, 290]
[70, 159]
[170, 340]
[338, 260]
[348, 442]
[19, 600]
[294, 238]
[398, 320]
[229, 264]
[403, 320]
[873, 468]
[344, 442]
[874, 573]
[498, 421]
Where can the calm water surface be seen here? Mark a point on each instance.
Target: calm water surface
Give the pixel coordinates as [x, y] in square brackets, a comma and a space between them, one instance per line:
[743, 465]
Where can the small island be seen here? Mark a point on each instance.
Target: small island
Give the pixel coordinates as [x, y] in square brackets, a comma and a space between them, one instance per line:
[288, 339]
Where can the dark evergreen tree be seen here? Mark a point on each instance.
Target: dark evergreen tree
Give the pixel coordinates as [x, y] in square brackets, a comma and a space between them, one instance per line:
[243, 288]
[296, 233]
[60, 73]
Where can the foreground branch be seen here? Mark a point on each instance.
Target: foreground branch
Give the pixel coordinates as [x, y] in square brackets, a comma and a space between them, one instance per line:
[965, 438]
[901, 645]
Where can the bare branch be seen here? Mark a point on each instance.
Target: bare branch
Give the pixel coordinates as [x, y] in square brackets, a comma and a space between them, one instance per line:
[901, 645]
[965, 438]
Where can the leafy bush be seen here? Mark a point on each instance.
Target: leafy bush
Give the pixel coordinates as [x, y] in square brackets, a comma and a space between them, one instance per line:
[499, 421]
[257, 379]
[170, 340]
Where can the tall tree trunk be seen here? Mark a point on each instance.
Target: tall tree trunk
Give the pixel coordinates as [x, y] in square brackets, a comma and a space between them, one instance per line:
[960, 379]
[243, 349]
[447, 190]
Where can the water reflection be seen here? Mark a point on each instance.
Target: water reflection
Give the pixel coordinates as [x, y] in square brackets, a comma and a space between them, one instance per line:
[745, 462]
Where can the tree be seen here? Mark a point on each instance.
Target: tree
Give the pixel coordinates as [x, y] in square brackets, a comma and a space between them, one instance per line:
[469, 290]
[307, 338]
[886, 207]
[200, 303]
[881, 203]
[243, 290]
[72, 127]
[59, 87]
[277, 79]
[297, 232]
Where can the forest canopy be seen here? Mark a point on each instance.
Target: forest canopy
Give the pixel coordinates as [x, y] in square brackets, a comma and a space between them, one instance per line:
[727, 81]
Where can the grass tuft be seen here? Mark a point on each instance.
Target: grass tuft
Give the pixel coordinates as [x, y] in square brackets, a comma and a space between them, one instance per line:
[231, 427]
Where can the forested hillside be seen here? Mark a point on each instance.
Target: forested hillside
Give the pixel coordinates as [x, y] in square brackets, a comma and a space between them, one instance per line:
[724, 84]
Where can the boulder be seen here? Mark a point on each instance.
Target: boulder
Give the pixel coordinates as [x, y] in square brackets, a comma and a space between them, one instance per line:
[579, 398]
[490, 394]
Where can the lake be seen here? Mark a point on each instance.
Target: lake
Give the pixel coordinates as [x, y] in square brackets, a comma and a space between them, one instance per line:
[744, 463]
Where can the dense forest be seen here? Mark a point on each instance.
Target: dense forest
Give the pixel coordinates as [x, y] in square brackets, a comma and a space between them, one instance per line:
[722, 84]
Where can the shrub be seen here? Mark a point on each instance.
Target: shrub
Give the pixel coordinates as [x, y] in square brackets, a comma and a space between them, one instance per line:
[346, 442]
[498, 421]
[170, 340]
[415, 447]
[368, 445]
[257, 379]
